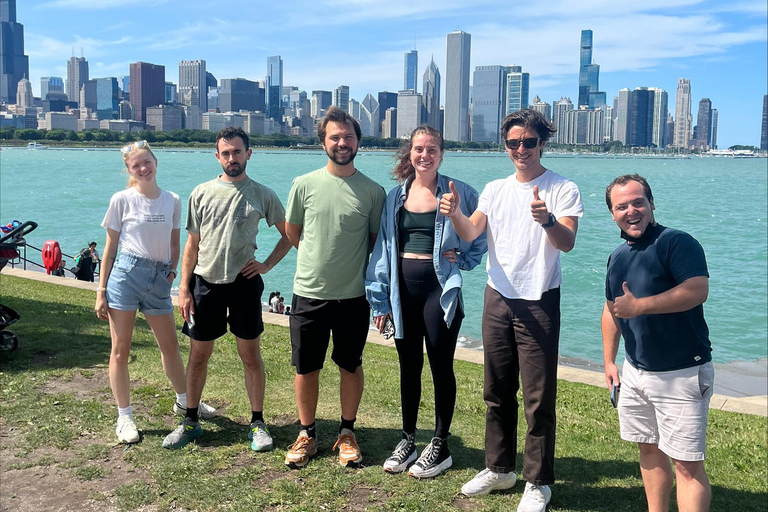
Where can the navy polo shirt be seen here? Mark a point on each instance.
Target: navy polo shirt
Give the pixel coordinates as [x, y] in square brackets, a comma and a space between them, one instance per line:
[660, 260]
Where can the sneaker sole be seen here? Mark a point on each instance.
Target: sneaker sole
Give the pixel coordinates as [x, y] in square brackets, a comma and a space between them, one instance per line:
[352, 463]
[185, 442]
[401, 467]
[293, 464]
[432, 472]
[126, 440]
[266, 448]
[504, 487]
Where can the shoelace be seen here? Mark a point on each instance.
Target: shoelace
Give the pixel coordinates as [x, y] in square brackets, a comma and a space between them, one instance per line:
[345, 441]
[432, 451]
[301, 444]
[401, 450]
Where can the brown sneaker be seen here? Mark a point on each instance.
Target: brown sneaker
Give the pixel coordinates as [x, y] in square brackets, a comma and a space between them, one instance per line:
[300, 452]
[349, 451]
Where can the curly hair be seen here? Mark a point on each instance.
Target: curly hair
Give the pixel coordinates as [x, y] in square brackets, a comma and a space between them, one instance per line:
[403, 167]
[337, 115]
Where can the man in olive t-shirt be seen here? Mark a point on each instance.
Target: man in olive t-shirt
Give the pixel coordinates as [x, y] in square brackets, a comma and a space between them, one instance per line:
[332, 219]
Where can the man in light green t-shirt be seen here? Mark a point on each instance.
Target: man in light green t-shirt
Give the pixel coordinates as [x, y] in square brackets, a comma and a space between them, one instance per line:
[221, 281]
[332, 219]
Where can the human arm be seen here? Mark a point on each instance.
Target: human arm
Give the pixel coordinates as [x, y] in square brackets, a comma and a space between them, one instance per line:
[468, 228]
[282, 247]
[561, 235]
[110, 252]
[609, 326]
[377, 275]
[293, 233]
[188, 262]
[175, 251]
[686, 295]
[470, 254]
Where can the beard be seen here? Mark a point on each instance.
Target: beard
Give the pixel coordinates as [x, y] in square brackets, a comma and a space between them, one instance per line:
[341, 159]
[234, 171]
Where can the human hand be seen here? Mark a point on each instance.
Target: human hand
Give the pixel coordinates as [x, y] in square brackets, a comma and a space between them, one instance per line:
[451, 256]
[539, 208]
[253, 268]
[627, 306]
[612, 375]
[186, 304]
[450, 202]
[378, 321]
[101, 306]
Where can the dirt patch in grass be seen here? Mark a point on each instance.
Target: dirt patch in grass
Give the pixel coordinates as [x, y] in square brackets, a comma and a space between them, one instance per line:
[81, 386]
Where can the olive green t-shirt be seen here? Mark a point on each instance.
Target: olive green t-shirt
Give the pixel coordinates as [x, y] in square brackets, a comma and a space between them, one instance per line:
[337, 215]
[226, 215]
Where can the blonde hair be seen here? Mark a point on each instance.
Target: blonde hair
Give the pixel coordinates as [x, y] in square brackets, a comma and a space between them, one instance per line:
[130, 150]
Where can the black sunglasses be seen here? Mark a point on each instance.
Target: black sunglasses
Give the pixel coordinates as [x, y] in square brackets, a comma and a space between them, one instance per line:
[529, 143]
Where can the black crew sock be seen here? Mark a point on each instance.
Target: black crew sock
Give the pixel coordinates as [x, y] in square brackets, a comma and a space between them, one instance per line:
[311, 430]
[192, 413]
[257, 416]
[350, 424]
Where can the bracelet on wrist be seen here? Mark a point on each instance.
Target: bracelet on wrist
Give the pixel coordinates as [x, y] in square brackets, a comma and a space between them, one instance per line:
[100, 289]
[175, 274]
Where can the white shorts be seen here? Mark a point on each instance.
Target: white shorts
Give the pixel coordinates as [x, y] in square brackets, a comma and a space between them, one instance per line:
[668, 409]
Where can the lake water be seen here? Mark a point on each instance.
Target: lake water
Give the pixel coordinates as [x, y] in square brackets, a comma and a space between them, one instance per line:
[722, 202]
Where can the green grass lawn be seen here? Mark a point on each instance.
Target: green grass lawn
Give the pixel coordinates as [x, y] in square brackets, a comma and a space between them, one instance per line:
[57, 421]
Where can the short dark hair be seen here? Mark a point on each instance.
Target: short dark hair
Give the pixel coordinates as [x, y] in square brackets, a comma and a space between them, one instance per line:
[92, 243]
[337, 115]
[529, 119]
[229, 133]
[623, 180]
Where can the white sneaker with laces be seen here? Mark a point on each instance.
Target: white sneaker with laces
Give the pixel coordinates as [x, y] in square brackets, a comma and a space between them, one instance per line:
[126, 430]
[535, 498]
[487, 481]
[204, 410]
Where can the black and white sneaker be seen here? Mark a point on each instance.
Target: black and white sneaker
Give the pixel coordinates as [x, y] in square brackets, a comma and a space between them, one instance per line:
[403, 456]
[435, 459]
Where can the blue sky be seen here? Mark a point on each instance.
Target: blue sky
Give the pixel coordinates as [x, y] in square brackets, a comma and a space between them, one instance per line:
[720, 46]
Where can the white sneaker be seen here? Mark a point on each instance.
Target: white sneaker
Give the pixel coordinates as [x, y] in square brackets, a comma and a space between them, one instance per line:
[126, 430]
[204, 410]
[487, 481]
[535, 498]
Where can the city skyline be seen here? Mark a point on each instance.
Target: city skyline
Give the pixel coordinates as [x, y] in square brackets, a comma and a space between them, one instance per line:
[719, 48]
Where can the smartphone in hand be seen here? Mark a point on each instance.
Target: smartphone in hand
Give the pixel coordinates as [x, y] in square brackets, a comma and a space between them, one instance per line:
[389, 328]
[615, 394]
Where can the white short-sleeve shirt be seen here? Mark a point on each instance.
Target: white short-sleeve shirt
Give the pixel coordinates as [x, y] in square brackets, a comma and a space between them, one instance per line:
[522, 264]
[144, 224]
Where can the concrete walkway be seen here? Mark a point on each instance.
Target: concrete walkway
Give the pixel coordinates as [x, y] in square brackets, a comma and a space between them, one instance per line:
[741, 386]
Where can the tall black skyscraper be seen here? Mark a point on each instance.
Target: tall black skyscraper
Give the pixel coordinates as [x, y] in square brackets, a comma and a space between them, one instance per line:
[589, 75]
[14, 65]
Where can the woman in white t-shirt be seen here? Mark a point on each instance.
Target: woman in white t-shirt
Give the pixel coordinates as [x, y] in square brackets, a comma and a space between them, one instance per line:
[144, 221]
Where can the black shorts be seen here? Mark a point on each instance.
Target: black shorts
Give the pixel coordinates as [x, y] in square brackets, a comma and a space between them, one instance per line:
[242, 297]
[313, 320]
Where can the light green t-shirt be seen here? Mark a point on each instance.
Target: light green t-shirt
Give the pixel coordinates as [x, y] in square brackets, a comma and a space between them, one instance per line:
[337, 216]
[226, 216]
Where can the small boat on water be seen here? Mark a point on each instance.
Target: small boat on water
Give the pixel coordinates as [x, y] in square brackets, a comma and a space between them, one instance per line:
[36, 145]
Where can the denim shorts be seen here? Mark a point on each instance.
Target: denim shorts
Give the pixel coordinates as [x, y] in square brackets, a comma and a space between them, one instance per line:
[142, 284]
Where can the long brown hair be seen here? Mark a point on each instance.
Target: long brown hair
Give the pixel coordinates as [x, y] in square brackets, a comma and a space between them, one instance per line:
[403, 168]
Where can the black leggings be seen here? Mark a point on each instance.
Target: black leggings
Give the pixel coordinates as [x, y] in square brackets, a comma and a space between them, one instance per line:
[423, 320]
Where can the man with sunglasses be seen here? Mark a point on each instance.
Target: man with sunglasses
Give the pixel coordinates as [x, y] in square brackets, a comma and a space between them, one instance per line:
[221, 280]
[531, 217]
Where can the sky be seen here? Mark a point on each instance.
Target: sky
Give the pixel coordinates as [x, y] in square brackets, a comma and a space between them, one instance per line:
[720, 46]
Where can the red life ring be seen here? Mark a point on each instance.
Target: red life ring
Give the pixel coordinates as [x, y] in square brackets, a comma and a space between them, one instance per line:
[51, 255]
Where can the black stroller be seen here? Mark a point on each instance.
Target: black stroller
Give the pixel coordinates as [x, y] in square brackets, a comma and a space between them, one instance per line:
[12, 238]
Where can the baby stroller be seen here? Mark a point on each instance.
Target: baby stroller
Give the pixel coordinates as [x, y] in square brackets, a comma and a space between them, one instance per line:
[13, 237]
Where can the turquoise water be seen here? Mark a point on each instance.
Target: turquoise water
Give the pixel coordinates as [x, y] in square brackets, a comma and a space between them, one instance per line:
[721, 201]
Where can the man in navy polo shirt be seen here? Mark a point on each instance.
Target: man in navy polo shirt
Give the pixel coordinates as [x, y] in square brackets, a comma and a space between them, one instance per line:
[655, 286]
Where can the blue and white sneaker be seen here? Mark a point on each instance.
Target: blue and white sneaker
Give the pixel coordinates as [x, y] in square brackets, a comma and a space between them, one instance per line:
[262, 439]
[187, 431]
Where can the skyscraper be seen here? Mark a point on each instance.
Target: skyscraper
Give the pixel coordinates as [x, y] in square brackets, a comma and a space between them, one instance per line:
[683, 119]
[321, 100]
[542, 107]
[659, 119]
[369, 116]
[713, 143]
[457, 86]
[704, 123]
[171, 93]
[147, 86]
[589, 75]
[341, 97]
[193, 87]
[411, 70]
[388, 100]
[488, 102]
[107, 102]
[764, 131]
[24, 97]
[647, 117]
[50, 84]
[408, 112]
[430, 96]
[559, 110]
[516, 90]
[14, 65]
[240, 94]
[622, 116]
[77, 74]
[274, 92]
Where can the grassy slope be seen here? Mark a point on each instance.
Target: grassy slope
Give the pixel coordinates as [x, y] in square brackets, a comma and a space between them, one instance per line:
[62, 341]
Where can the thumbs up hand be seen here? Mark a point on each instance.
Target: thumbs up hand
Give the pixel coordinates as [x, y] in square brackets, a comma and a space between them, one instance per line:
[626, 306]
[539, 208]
[449, 203]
